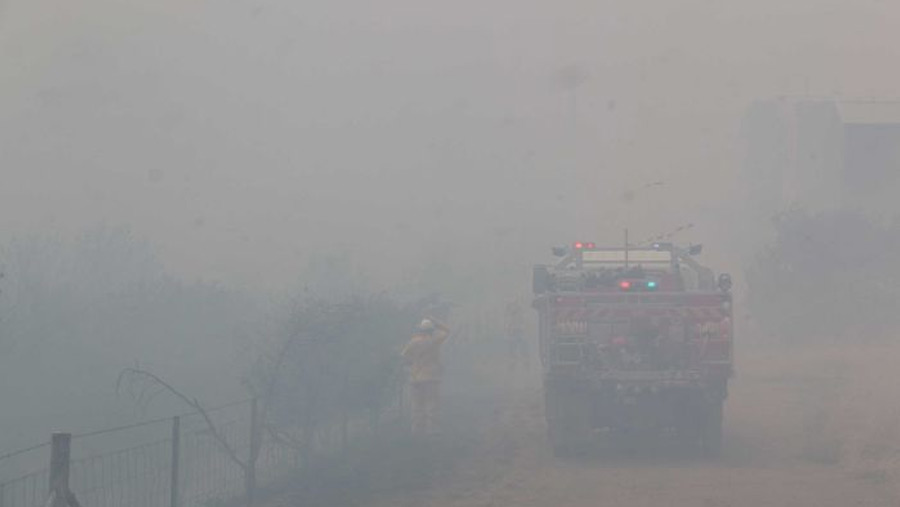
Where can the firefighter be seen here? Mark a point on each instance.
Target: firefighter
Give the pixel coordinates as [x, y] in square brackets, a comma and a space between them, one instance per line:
[423, 358]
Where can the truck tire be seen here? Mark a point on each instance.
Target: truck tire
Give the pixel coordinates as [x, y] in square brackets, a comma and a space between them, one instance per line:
[569, 421]
[712, 429]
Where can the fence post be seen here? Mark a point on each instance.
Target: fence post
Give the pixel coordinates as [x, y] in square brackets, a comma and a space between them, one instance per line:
[59, 468]
[176, 458]
[255, 435]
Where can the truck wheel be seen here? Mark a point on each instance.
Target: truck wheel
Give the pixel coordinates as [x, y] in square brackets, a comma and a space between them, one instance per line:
[568, 422]
[563, 446]
[712, 430]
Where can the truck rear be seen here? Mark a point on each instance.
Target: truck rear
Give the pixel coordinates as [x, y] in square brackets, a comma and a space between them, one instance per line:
[634, 343]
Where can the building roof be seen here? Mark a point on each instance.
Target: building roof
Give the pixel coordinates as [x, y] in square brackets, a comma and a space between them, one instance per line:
[869, 112]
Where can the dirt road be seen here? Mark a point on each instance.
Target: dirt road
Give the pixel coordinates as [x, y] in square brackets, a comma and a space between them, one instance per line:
[775, 456]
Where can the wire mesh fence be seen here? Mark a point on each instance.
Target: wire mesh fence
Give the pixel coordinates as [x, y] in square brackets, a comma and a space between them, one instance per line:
[210, 473]
[138, 476]
[29, 490]
[183, 461]
[177, 462]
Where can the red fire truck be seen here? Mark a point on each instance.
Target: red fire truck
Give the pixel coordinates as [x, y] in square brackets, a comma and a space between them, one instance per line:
[634, 342]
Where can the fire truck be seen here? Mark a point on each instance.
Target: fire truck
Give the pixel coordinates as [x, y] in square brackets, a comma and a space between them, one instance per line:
[634, 342]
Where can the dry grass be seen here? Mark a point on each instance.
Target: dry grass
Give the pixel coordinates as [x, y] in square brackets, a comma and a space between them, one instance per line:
[851, 405]
[866, 419]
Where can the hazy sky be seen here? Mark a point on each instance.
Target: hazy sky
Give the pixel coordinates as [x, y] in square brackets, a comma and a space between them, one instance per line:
[240, 136]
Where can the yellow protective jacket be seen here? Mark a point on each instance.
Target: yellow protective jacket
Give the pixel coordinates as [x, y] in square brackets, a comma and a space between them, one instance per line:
[423, 355]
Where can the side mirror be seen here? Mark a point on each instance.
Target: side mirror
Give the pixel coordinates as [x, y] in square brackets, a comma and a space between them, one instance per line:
[560, 251]
[725, 282]
[695, 249]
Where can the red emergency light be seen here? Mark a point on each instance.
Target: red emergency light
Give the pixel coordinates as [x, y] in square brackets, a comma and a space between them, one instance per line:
[625, 285]
[579, 245]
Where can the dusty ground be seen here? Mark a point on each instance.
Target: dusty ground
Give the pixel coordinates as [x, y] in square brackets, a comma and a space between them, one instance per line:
[782, 450]
[776, 455]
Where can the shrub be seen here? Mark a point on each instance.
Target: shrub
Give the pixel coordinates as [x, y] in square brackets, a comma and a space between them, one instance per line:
[829, 275]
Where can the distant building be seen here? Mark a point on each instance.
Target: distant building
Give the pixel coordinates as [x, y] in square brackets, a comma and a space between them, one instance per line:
[821, 154]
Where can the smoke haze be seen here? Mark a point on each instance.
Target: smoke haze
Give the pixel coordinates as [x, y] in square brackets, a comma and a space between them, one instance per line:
[240, 137]
[174, 171]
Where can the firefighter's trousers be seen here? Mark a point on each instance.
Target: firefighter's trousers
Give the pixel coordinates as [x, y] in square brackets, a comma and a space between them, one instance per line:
[425, 407]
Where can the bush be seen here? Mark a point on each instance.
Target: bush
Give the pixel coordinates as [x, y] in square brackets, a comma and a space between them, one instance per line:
[339, 362]
[74, 310]
[830, 275]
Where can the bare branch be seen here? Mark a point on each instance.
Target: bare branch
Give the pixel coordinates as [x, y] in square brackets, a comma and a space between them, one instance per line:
[284, 438]
[135, 375]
